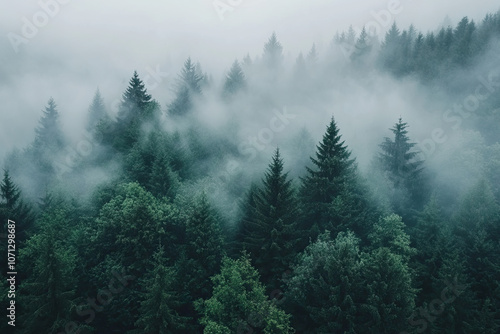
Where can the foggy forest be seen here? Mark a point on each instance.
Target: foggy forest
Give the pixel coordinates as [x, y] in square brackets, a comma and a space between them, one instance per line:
[351, 186]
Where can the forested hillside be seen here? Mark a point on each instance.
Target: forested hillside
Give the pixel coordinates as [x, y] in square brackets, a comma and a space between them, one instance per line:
[216, 207]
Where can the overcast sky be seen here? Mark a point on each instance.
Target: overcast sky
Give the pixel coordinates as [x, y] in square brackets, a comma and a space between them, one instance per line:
[90, 43]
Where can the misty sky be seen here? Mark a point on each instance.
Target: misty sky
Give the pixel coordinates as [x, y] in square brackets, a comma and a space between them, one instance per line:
[89, 44]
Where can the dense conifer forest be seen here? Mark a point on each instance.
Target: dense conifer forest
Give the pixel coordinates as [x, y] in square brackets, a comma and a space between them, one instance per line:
[178, 213]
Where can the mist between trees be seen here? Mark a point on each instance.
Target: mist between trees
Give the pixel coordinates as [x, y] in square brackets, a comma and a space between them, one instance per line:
[209, 191]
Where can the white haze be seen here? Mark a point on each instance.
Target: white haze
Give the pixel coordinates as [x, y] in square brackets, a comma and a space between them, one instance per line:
[94, 44]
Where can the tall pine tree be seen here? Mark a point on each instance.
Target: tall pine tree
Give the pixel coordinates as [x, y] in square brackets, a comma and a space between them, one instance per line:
[332, 195]
[272, 231]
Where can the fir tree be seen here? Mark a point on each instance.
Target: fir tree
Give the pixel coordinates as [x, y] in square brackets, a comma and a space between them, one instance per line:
[273, 52]
[402, 168]
[48, 135]
[14, 208]
[136, 107]
[326, 288]
[157, 313]
[97, 112]
[49, 262]
[272, 235]
[239, 304]
[235, 80]
[204, 248]
[331, 176]
[188, 87]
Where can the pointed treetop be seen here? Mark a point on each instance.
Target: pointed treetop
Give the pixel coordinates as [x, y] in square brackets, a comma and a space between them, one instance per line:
[273, 51]
[235, 79]
[136, 94]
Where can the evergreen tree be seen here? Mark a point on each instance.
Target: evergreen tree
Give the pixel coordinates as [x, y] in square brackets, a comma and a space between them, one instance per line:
[48, 134]
[332, 196]
[326, 287]
[49, 262]
[14, 208]
[162, 180]
[239, 304]
[390, 294]
[136, 107]
[477, 227]
[97, 112]
[363, 45]
[247, 206]
[402, 168]
[389, 232]
[204, 247]
[429, 239]
[312, 56]
[273, 52]
[157, 313]
[235, 80]
[188, 87]
[272, 236]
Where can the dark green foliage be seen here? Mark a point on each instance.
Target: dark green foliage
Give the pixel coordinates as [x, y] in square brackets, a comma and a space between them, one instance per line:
[48, 260]
[239, 303]
[13, 207]
[271, 234]
[402, 169]
[390, 295]
[332, 195]
[124, 210]
[136, 108]
[130, 224]
[48, 134]
[326, 287]
[159, 302]
[204, 247]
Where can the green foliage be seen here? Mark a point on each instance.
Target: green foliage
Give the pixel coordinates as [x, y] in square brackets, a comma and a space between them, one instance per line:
[332, 196]
[188, 88]
[48, 260]
[136, 108]
[239, 303]
[402, 169]
[390, 294]
[160, 300]
[130, 224]
[13, 207]
[326, 287]
[204, 247]
[389, 233]
[271, 236]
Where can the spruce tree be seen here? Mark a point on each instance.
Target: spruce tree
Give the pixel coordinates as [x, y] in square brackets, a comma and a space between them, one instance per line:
[157, 313]
[49, 261]
[136, 107]
[14, 208]
[273, 52]
[204, 247]
[402, 168]
[48, 134]
[239, 304]
[97, 112]
[272, 231]
[188, 88]
[235, 80]
[327, 183]
[326, 288]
